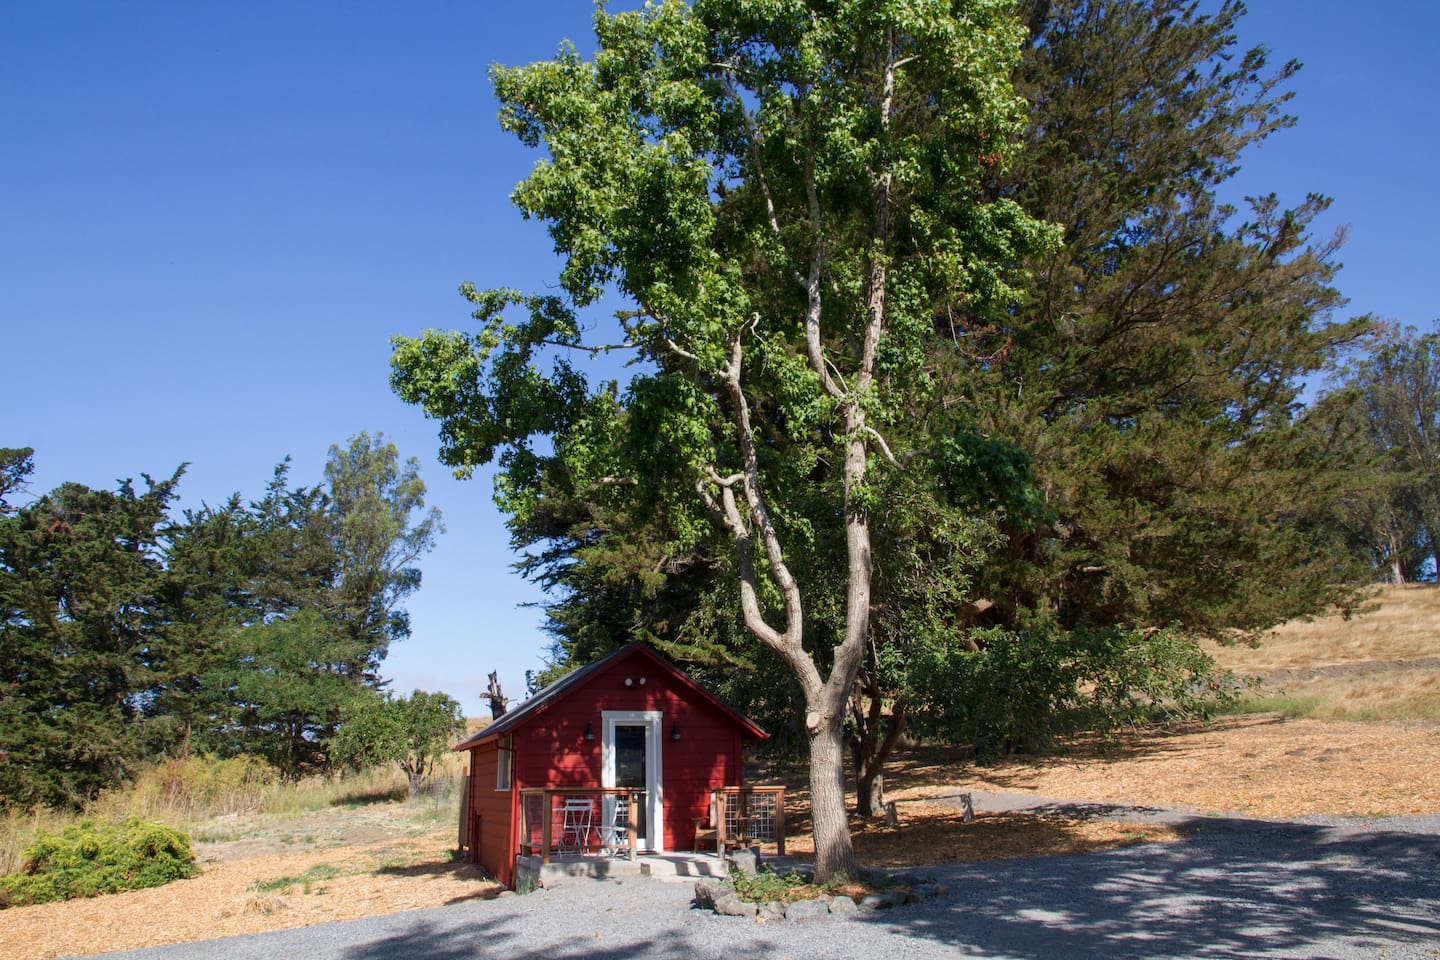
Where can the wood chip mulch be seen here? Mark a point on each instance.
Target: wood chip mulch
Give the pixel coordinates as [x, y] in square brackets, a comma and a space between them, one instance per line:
[373, 879]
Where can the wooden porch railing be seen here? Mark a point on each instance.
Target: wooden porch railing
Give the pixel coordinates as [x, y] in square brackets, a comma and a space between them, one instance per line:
[747, 814]
[538, 807]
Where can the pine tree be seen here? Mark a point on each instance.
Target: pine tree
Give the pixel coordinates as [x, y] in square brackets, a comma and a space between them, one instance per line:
[79, 571]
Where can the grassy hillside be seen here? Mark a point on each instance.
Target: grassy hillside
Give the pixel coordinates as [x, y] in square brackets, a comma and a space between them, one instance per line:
[1380, 664]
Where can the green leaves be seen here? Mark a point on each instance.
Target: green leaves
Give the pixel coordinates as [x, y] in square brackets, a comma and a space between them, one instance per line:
[125, 633]
[88, 859]
[79, 592]
[783, 196]
[707, 158]
[414, 732]
[982, 474]
[1017, 690]
[1153, 372]
[1384, 417]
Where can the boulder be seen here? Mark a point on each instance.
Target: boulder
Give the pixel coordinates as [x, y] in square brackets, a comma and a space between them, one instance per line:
[710, 889]
[746, 861]
[730, 905]
[843, 906]
[807, 910]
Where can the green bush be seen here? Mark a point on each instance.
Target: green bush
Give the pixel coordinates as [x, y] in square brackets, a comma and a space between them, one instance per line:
[766, 886]
[1019, 689]
[85, 860]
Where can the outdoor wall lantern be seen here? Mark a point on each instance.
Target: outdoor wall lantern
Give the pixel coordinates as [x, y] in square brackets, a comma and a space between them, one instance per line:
[589, 731]
[634, 681]
[675, 732]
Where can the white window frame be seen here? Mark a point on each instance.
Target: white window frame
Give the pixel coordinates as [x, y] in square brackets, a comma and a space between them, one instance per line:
[504, 763]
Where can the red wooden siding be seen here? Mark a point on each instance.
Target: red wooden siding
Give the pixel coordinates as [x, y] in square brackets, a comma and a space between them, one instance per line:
[550, 750]
[492, 813]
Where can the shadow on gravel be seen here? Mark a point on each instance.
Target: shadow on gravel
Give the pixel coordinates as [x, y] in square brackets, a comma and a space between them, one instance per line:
[1097, 811]
[505, 936]
[1233, 888]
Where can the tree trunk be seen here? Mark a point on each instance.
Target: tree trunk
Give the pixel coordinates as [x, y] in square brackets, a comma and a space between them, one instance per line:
[869, 754]
[1432, 530]
[873, 737]
[834, 852]
[1396, 568]
[870, 789]
[499, 703]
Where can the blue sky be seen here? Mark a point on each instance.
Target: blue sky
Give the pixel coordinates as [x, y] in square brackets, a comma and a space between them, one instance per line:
[214, 216]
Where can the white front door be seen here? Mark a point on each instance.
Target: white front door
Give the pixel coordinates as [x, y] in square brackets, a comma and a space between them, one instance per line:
[631, 757]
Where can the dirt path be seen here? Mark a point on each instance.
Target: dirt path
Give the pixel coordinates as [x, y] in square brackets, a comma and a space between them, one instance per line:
[1361, 668]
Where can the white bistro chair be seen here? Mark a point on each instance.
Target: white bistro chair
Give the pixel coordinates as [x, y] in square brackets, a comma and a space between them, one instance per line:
[576, 825]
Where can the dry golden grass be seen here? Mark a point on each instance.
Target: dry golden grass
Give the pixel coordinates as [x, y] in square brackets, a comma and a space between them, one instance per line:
[152, 797]
[1259, 766]
[1395, 694]
[1404, 626]
[1383, 664]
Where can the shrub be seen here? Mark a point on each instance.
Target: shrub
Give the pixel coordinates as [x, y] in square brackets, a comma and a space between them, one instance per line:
[85, 860]
[202, 785]
[1018, 689]
[766, 886]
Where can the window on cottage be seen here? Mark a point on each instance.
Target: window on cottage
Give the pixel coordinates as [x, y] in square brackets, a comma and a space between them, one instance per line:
[502, 767]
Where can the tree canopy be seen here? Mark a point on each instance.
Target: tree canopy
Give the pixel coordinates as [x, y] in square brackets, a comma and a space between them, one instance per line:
[239, 628]
[1114, 464]
[78, 576]
[1384, 413]
[414, 732]
[784, 195]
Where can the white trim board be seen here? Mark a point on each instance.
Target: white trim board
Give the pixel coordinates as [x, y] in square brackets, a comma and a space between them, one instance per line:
[654, 792]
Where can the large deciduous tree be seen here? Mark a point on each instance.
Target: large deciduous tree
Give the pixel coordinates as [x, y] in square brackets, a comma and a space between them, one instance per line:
[379, 529]
[1154, 378]
[783, 194]
[1390, 401]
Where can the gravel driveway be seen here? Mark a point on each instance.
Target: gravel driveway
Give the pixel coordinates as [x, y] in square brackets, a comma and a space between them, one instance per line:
[1317, 887]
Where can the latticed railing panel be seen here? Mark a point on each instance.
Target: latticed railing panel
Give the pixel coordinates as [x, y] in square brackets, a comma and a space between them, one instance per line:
[754, 814]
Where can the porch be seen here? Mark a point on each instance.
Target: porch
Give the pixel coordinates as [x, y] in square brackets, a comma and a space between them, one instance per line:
[589, 831]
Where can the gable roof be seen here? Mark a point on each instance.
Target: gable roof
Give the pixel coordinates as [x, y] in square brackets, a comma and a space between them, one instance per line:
[555, 691]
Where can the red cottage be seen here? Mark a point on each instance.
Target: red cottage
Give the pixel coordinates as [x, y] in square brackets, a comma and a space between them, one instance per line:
[558, 774]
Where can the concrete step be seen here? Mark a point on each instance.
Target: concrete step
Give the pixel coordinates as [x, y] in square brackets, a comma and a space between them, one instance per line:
[661, 866]
[683, 866]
